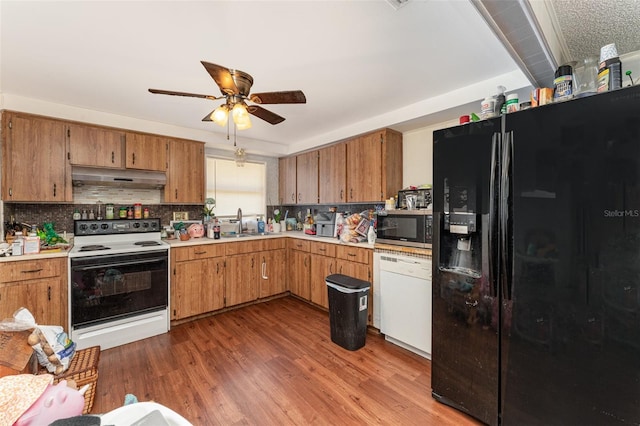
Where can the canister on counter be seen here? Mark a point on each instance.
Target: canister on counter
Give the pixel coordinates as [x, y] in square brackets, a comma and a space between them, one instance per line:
[137, 211]
[145, 213]
[122, 213]
[109, 211]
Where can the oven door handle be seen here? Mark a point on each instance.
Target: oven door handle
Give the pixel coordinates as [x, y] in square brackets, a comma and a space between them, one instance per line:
[116, 264]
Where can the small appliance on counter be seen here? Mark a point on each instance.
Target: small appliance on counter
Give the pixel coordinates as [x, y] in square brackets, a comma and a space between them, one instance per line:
[326, 224]
[414, 199]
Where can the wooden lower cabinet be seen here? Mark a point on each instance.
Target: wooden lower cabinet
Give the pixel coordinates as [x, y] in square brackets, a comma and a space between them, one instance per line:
[197, 280]
[300, 269]
[358, 263]
[242, 278]
[38, 285]
[273, 279]
[323, 264]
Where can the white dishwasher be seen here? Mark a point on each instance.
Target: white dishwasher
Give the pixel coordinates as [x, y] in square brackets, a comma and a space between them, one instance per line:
[405, 301]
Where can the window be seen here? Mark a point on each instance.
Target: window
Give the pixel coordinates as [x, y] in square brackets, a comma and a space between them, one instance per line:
[232, 187]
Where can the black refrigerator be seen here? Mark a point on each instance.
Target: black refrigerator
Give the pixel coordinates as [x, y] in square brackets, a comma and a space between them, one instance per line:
[536, 264]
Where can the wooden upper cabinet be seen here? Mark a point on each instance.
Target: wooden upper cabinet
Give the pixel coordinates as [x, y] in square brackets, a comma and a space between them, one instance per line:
[332, 174]
[287, 180]
[374, 166]
[95, 146]
[185, 175]
[34, 159]
[146, 152]
[307, 178]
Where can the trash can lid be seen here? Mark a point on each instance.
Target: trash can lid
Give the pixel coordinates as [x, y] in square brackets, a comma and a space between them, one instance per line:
[346, 281]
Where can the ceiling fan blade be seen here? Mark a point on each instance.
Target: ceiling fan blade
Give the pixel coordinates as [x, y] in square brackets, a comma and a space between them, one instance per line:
[222, 77]
[266, 115]
[191, 95]
[208, 116]
[286, 97]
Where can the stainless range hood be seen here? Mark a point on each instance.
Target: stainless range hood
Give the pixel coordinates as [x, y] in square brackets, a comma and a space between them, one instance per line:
[126, 178]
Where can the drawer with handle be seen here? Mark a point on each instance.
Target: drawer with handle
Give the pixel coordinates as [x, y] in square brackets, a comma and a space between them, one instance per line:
[31, 269]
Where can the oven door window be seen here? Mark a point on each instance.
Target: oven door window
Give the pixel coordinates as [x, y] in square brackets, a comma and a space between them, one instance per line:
[105, 288]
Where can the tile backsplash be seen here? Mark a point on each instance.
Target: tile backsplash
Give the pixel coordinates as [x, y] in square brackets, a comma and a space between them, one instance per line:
[87, 198]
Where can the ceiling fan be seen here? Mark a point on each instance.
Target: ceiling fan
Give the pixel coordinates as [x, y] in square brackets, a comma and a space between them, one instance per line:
[235, 86]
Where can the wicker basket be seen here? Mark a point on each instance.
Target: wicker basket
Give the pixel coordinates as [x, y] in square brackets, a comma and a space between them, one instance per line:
[83, 369]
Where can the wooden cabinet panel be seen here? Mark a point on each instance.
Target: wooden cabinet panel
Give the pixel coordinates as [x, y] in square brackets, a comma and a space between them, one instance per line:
[324, 249]
[353, 254]
[272, 272]
[34, 159]
[95, 146]
[242, 278]
[363, 155]
[146, 152]
[374, 166]
[321, 267]
[31, 269]
[307, 178]
[197, 287]
[332, 174]
[181, 254]
[46, 298]
[300, 245]
[213, 286]
[300, 273]
[287, 180]
[185, 174]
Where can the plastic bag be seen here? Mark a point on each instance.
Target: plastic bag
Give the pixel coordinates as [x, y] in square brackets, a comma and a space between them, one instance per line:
[350, 229]
[51, 344]
[53, 347]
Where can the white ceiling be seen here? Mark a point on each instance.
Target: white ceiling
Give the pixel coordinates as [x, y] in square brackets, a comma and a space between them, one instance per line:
[362, 64]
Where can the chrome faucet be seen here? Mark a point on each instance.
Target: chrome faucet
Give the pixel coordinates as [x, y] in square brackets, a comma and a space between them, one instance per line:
[239, 219]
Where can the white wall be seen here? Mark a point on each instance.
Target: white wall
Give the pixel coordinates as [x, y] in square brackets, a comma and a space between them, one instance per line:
[417, 154]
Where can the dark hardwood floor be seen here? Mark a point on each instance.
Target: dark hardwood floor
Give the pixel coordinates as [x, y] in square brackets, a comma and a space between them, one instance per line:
[272, 363]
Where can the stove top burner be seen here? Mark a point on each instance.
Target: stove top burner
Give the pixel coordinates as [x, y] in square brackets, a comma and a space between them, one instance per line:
[147, 243]
[94, 247]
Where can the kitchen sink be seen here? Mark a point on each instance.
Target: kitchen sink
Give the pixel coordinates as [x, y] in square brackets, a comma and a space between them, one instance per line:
[244, 234]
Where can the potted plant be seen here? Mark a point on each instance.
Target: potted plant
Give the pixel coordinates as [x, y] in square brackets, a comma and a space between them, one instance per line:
[276, 220]
[209, 205]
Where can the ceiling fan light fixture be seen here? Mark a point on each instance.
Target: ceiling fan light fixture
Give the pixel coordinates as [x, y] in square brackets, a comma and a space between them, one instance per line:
[241, 117]
[220, 115]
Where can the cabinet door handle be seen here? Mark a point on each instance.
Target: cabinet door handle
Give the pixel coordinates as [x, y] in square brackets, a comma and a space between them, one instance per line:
[176, 193]
[10, 192]
[217, 268]
[252, 263]
[305, 262]
[264, 270]
[54, 189]
[341, 193]
[351, 255]
[113, 157]
[31, 271]
[322, 249]
[199, 252]
[299, 196]
[331, 268]
[351, 194]
[49, 293]
[293, 196]
[133, 158]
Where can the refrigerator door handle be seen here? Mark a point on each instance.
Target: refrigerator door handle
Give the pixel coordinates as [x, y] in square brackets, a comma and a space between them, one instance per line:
[494, 202]
[505, 216]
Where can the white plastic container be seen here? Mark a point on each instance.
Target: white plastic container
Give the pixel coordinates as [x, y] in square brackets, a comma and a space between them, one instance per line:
[512, 102]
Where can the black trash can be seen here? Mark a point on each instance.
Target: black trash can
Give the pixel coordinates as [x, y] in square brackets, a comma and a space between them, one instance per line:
[348, 306]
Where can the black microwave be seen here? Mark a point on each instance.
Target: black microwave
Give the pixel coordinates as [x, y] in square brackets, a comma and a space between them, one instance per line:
[413, 228]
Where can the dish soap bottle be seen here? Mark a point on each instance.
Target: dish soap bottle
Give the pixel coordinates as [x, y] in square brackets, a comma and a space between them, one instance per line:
[371, 233]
